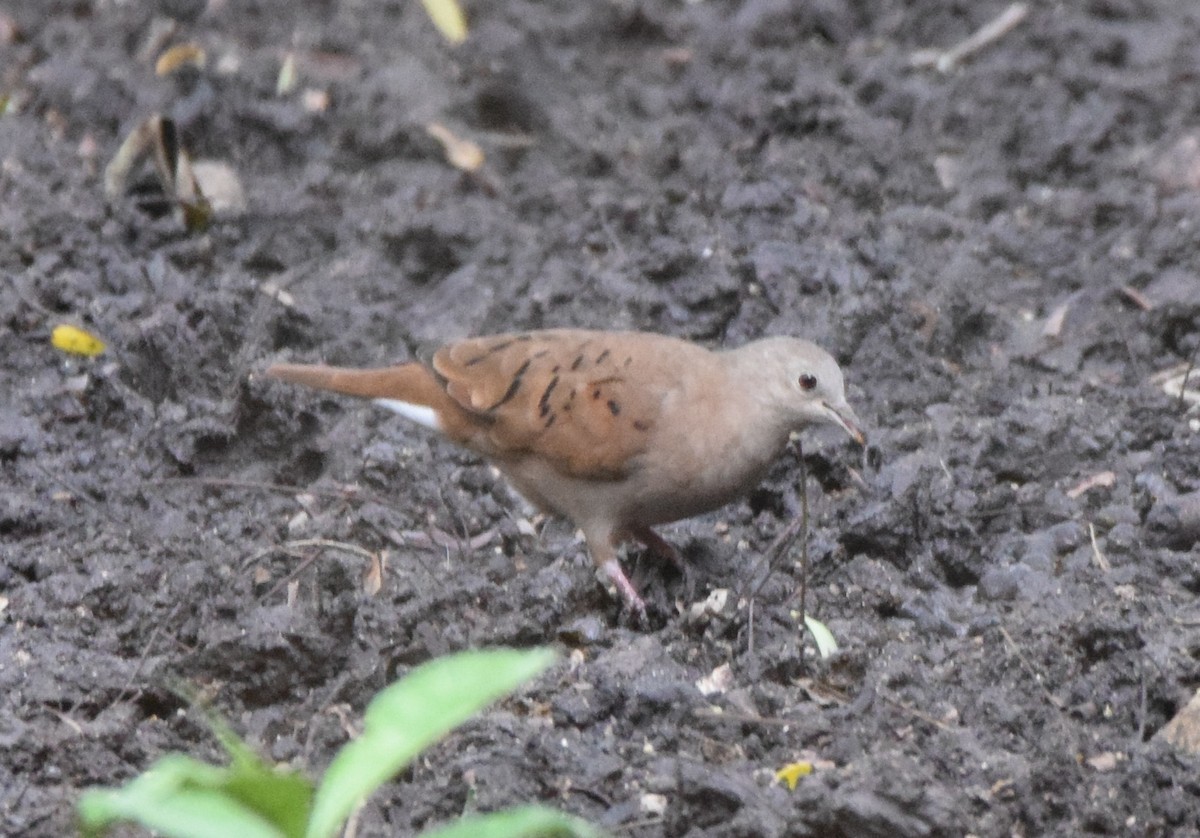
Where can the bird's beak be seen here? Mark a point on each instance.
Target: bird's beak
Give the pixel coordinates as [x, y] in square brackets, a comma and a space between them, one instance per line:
[842, 416]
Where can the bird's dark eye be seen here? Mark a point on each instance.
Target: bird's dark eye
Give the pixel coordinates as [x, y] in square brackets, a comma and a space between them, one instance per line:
[808, 381]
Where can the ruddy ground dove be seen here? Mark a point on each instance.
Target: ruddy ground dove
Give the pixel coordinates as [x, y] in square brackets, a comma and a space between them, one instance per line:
[615, 431]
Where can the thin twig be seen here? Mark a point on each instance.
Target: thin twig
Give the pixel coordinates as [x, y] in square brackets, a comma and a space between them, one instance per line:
[750, 627]
[803, 549]
[341, 493]
[74, 489]
[291, 577]
[307, 562]
[914, 712]
[990, 32]
[783, 541]
[308, 542]
[1141, 734]
[1186, 374]
[1030, 668]
[1097, 556]
[137, 670]
[778, 548]
[733, 717]
[648, 820]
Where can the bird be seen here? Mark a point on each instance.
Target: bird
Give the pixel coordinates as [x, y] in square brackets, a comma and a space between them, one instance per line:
[616, 431]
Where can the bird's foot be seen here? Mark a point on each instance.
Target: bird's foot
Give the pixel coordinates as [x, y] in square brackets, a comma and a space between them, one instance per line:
[612, 569]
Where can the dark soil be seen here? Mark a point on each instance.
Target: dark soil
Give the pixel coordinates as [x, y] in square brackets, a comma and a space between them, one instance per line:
[1001, 256]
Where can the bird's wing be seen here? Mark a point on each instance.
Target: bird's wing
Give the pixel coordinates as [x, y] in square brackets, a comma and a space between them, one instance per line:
[586, 403]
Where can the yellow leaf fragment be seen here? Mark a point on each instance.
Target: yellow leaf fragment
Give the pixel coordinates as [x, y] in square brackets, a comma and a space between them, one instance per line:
[75, 341]
[449, 19]
[178, 56]
[463, 155]
[792, 772]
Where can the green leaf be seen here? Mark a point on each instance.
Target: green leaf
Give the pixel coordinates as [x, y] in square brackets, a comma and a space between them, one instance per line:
[179, 797]
[282, 798]
[521, 822]
[822, 636]
[412, 714]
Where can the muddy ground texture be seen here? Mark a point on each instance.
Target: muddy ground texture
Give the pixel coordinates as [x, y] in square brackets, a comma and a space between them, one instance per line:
[1002, 256]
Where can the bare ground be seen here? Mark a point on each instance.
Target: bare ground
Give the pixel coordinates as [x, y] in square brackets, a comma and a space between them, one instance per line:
[1002, 256]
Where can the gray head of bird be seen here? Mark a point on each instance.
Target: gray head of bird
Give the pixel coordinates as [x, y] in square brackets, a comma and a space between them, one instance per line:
[802, 383]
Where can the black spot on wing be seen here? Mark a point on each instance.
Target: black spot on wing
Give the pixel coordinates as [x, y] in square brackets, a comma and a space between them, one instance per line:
[512, 388]
[544, 401]
[613, 407]
[600, 358]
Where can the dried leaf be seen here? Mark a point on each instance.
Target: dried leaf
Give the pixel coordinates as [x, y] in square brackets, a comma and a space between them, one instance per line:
[178, 56]
[1104, 762]
[654, 805]
[158, 137]
[10, 33]
[1136, 297]
[373, 577]
[713, 604]
[314, 100]
[461, 154]
[1183, 731]
[1100, 480]
[1054, 323]
[220, 185]
[822, 636]
[717, 681]
[1179, 167]
[197, 215]
[132, 149]
[272, 289]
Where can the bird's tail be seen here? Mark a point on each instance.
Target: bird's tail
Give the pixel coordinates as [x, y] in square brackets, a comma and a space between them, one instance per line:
[412, 383]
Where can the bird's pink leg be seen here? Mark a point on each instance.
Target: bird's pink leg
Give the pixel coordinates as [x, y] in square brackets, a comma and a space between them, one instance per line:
[655, 544]
[602, 545]
[612, 569]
